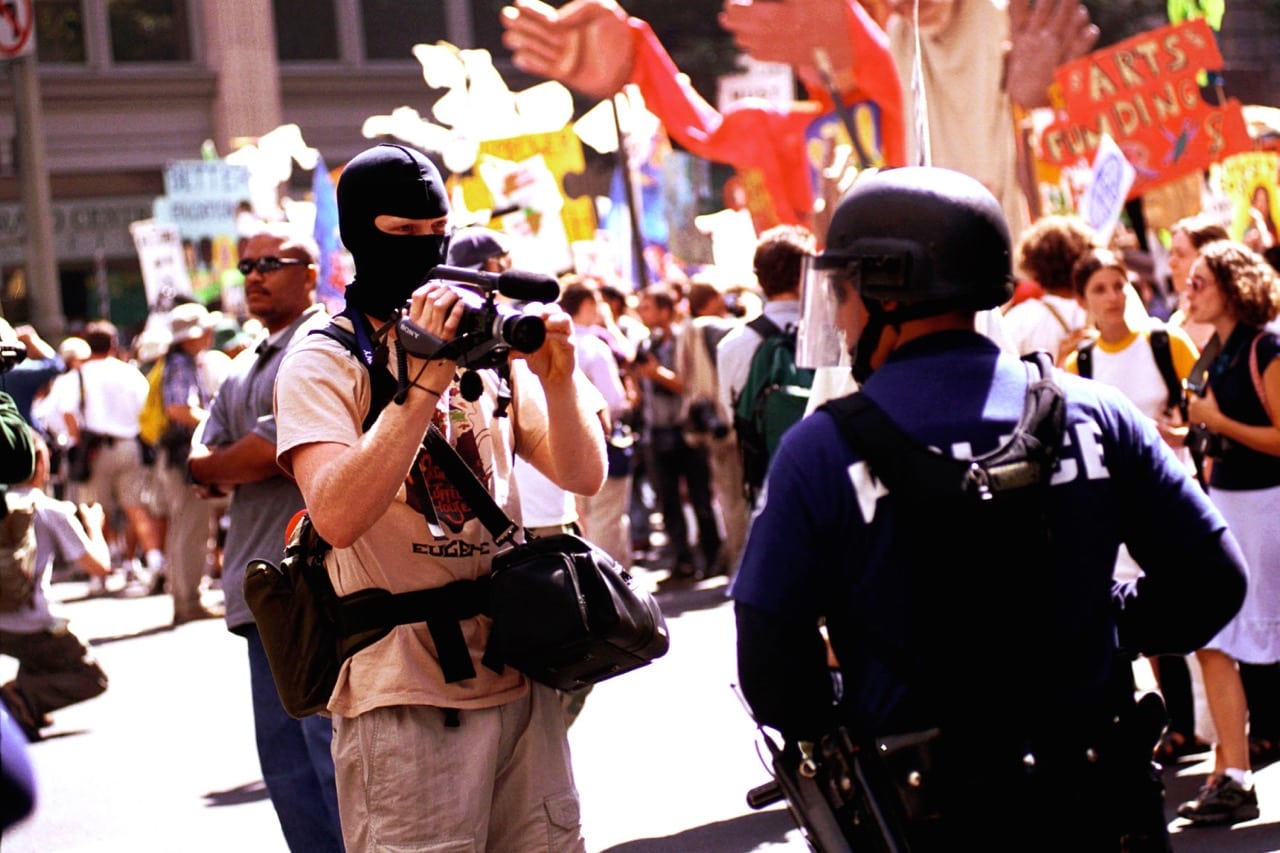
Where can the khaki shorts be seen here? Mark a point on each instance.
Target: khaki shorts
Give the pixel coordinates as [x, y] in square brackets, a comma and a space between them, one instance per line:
[500, 780]
[118, 476]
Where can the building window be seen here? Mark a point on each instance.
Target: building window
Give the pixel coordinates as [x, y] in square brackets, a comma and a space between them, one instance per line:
[149, 31]
[59, 31]
[306, 30]
[393, 27]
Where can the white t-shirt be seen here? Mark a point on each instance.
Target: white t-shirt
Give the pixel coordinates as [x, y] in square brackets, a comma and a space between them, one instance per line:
[1043, 324]
[114, 394]
[596, 361]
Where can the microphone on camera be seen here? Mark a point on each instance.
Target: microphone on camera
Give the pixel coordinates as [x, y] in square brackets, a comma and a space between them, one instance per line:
[516, 284]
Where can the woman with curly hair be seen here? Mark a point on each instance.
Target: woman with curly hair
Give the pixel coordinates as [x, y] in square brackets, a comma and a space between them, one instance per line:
[1185, 239]
[1233, 289]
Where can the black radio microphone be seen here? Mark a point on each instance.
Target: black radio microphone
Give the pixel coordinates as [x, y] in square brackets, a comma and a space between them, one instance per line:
[516, 284]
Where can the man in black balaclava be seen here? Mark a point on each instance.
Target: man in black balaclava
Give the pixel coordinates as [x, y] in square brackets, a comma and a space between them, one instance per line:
[495, 770]
[378, 190]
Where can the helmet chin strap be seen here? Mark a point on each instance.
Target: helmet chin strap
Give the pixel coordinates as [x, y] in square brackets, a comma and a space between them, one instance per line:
[879, 319]
[868, 340]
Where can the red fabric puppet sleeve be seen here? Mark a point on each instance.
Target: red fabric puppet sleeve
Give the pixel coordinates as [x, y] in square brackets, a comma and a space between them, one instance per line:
[760, 136]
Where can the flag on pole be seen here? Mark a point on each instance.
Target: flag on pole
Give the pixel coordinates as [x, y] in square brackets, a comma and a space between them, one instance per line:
[331, 282]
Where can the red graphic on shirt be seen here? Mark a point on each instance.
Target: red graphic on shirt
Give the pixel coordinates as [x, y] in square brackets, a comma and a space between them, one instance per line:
[442, 499]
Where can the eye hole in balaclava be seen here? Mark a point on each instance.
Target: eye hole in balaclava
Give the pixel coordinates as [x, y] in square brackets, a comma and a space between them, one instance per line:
[397, 181]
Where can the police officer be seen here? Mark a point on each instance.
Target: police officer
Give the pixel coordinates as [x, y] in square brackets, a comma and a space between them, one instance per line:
[1000, 637]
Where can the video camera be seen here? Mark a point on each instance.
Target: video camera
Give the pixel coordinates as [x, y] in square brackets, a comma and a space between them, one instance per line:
[489, 330]
[11, 353]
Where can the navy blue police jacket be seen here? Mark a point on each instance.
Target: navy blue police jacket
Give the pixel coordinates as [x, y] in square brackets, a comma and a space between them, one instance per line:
[823, 546]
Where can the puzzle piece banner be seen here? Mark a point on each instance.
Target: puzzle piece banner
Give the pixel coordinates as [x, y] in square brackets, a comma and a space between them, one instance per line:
[1143, 92]
[515, 178]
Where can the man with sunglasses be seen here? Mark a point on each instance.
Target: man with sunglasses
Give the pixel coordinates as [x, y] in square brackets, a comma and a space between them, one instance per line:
[234, 452]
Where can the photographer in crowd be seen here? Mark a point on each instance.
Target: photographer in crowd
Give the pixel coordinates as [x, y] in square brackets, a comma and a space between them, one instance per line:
[671, 458]
[430, 747]
[17, 454]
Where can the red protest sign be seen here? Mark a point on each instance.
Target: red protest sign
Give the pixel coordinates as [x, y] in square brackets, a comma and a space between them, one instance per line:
[1143, 92]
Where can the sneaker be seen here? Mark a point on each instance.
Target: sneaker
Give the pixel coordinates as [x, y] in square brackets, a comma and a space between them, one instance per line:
[1221, 801]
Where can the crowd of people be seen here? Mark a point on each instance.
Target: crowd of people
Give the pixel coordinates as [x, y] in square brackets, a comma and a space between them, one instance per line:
[662, 373]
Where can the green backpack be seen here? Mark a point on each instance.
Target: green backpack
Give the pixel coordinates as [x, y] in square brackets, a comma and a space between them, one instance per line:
[17, 553]
[773, 398]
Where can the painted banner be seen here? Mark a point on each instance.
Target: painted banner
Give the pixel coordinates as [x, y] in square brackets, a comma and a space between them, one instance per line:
[1143, 92]
[520, 181]
[1109, 183]
[331, 279]
[202, 198]
[161, 257]
[1249, 181]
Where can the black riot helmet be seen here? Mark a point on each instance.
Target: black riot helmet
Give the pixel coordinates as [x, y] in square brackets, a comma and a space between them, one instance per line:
[933, 239]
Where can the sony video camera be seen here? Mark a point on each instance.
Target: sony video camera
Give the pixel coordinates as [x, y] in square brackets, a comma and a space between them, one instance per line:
[11, 353]
[489, 329]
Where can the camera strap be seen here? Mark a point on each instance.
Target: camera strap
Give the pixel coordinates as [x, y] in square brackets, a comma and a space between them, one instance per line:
[497, 522]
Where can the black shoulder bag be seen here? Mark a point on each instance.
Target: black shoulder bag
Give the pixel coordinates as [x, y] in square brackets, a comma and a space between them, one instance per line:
[564, 612]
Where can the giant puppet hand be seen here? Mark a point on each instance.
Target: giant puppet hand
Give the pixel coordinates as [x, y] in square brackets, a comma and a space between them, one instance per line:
[586, 45]
[1043, 35]
[790, 31]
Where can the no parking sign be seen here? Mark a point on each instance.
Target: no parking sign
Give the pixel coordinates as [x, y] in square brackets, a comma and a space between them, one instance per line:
[17, 28]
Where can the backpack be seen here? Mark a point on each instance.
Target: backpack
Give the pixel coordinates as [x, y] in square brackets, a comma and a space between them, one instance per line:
[774, 397]
[17, 553]
[153, 422]
[971, 537]
[1160, 349]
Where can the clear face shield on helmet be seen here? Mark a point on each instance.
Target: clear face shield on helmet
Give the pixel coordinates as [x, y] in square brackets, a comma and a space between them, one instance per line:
[824, 288]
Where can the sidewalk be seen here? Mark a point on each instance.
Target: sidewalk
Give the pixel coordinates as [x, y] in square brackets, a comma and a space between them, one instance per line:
[164, 761]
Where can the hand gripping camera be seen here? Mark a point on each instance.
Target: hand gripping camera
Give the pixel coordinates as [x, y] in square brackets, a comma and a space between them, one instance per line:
[489, 330]
[11, 353]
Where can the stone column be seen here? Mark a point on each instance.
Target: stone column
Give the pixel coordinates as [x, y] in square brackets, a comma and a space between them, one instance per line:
[240, 47]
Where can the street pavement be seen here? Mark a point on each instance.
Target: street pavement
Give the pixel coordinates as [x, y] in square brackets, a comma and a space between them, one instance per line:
[164, 761]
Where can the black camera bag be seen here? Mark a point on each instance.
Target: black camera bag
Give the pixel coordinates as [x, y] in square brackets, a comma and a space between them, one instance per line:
[566, 614]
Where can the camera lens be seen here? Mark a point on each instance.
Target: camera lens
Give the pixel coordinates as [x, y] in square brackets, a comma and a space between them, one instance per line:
[523, 333]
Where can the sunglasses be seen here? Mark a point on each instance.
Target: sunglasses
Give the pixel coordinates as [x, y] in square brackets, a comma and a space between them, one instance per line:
[266, 265]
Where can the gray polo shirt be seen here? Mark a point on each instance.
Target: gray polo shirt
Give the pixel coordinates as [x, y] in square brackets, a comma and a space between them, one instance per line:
[259, 511]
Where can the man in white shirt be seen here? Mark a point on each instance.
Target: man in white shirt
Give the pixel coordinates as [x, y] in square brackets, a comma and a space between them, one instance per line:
[779, 255]
[100, 403]
[603, 516]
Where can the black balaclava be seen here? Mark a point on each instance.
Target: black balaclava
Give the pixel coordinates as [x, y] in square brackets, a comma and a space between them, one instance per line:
[398, 181]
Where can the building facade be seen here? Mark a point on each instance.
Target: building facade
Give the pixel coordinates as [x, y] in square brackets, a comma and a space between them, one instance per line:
[127, 86]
